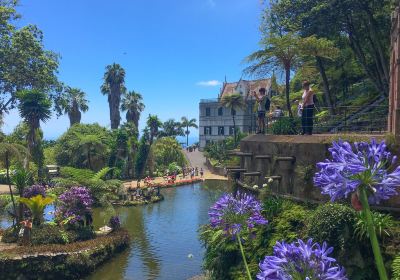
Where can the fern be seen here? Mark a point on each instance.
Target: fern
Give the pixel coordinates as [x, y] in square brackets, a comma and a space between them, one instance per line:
[102, 173]
[396, 268]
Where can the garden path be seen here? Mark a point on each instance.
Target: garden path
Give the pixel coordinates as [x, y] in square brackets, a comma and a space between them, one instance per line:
[197, 159]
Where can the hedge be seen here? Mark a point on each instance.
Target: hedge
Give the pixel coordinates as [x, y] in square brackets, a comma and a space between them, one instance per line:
[70, 261]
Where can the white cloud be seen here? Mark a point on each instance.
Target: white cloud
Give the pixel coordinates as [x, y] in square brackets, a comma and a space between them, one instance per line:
[211, 83]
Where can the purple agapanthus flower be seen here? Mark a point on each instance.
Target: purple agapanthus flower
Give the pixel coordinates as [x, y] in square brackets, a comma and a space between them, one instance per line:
[34, 190]
[368, 164]
[301, 260]
[233, 213]
[114, 222]
[76, 202]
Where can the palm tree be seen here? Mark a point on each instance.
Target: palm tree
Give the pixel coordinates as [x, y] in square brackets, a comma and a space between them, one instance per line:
[172, 128]
[186, 123]
[34, 106]
[91, 147]
[113, 86]
[280, 52]
[9, 151]
[73, 102]
[154, 124]
[234, 102]
[133, 105]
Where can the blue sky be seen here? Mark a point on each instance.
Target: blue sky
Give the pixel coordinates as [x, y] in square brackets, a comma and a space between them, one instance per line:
[175, 52]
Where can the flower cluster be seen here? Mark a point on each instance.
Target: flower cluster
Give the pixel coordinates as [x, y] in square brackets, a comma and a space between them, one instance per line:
[300, 260]
[34, 191]
[233, 213]
[114, 222]
[76, 202]
[367, 164]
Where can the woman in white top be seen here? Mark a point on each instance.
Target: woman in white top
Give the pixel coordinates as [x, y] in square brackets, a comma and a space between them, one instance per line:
[308, 109]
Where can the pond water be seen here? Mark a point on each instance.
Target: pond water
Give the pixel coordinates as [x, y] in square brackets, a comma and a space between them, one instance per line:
[165, 242]
[163, 235]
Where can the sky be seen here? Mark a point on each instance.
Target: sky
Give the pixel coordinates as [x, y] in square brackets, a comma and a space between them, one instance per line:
[174, 52]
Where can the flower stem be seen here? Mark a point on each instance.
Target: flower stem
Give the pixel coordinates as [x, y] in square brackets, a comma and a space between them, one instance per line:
[243, 256]
[372, 235]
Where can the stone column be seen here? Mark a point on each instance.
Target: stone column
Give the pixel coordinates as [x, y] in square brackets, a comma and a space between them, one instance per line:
[394, 98]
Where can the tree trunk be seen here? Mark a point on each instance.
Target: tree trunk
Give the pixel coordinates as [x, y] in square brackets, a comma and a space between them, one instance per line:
[327, 91]
[114, 102]
[74, 115]
[9, 185]
[187, 136]
[89, 160]
[234, 129]
[289, 108]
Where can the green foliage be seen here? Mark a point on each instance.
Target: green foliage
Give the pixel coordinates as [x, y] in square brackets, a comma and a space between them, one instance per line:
[382, 223]
[10, 235]
[396, 268]
[76, 261]
[21, 179]
[72, 102]
[222, 253]
[289, 224]
[47, 234]
[37, 204]
[143, 153]
[335, 224]
[84, 143]
[76, 174]
[285, 126]
[167, 150]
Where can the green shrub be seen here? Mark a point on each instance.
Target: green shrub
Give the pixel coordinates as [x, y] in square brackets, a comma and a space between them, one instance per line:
[286, 126]
[382, 222]
[289, 224]
[396, 268]
[335, 224]
[47, 234]
[10, 235]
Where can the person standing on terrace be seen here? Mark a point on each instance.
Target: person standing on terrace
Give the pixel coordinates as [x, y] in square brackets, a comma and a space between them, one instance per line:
[262, 105]
[308, 109]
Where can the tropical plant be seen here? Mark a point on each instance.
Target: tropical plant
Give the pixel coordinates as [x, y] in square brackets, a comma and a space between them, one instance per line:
[382, 224]
[7, 152]
[69, 151]
[235, 215]
[235, 103]
[171, 128]
[76, 203]
[21, 179]
[285, 126]
[90, 147]
[280, 52]
[366, 171]
[113, 87]
[36, 205]
[72, 102]
[143, 153]
[167, 150]
[133, 105]
[396, 268]
[186, 123]
[154, 124]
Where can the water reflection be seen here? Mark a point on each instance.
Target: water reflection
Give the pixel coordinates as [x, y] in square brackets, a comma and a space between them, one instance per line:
[164, 235]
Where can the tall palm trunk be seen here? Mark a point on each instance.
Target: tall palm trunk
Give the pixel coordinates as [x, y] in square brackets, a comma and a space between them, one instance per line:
[9, 185]
[89, 159]
[187, 136]
[74, 115]
[114, 100]
[234, 128]
[289, 108]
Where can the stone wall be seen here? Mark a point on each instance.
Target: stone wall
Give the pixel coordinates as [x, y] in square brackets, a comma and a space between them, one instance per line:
[293, 158]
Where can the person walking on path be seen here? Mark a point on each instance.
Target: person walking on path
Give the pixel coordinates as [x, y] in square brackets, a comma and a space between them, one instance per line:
[308, 109]
[262, 105]
[201, 172]
[196, 172]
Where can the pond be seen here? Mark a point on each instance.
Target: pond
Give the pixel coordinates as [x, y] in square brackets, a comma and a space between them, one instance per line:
[164, 235]
[165, 242]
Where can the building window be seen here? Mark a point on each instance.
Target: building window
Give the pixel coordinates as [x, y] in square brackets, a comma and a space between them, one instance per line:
[220, 111]
[221, 130]
[207, 130]
[208, 112]
[208, 142]
[231, 130]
